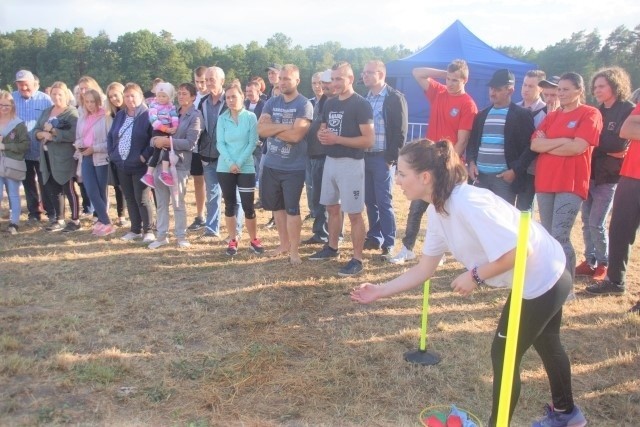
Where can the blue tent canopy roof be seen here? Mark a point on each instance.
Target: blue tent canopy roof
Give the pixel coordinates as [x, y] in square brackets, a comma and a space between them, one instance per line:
[458, 42]
[455, 42]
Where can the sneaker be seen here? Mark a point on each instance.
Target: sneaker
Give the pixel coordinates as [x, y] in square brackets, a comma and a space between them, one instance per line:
[196, 225]
[131, 236]
[210, 233]
[96, 228]
[232, 249]
[352, 268]
[33, 221]
[166, 179]
[183, 243]
[148, 237]
[106, 230]
[600, 273]
[314, 240]
[71, 227]
[238, 238]
[271, 224]
[257, 204]
[371, 245]
[147, 180]
[327, 252]
[606, 287]
[635, 309]
[402, 256]
[553, 418]
[256, 246]
[585, 269]
[158, 243]
[122, 222]
[386, 252]
[12, 229]
[55, 226]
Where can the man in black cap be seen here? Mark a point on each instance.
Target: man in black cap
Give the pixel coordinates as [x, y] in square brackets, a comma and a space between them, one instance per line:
[499, 146]
[550, 93]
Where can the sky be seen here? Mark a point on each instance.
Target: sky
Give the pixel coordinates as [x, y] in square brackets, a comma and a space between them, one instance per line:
[352, 23]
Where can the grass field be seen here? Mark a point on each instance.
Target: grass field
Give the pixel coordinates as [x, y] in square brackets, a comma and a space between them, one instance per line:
[105, 332]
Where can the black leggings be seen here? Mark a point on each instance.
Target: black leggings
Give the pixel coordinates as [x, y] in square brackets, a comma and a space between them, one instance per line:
[57, 192]
[539, 326]
[245, 183]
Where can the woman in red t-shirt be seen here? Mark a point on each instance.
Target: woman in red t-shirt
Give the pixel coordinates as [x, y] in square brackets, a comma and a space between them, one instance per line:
[565, 141]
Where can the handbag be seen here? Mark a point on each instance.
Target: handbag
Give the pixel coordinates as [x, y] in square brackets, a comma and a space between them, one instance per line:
[11, 168]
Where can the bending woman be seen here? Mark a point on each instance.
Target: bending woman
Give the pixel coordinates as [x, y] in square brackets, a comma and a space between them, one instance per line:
[480, 229]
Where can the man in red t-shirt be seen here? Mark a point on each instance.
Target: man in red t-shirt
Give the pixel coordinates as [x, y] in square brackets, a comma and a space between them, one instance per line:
[625, 215]
[451, 117]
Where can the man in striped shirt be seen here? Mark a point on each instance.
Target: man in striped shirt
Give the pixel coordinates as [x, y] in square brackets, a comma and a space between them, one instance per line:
[30, 103]
[499, 146]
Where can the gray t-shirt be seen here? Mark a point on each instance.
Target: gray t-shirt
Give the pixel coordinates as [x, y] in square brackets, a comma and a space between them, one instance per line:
[344, 117]
[282, 155]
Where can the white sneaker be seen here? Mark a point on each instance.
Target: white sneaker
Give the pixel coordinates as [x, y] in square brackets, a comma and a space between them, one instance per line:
[131, 236]
[158, 243]
[183, 243]
[442, 260]
[148, 237]
[402, 256]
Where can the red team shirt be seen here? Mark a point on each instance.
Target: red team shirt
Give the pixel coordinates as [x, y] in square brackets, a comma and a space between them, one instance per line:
[449, 113]
[631, 163]
[568, 174]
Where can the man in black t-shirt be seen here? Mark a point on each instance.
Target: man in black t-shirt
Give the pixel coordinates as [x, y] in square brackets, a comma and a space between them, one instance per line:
[346, 131]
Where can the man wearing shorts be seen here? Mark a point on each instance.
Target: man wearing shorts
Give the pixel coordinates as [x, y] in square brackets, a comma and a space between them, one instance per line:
[285, 122]
[346, 132]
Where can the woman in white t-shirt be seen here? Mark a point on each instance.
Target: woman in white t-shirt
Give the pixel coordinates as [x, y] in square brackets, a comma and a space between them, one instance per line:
[480, 229]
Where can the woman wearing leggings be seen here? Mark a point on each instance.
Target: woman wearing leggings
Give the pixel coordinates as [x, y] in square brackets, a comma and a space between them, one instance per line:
[237, 136]
[480, 229]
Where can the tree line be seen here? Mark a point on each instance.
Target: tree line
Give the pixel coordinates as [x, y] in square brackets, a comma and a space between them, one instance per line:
[586, 52]
[141, 56]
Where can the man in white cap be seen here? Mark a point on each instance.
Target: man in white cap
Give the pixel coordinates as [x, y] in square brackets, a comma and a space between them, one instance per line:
[30, 103]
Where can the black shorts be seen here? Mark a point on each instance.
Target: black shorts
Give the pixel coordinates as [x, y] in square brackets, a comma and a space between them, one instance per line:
[196, 165]
[281, 190]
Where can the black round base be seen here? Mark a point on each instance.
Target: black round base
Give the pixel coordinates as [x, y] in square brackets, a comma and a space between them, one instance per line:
[422, 357]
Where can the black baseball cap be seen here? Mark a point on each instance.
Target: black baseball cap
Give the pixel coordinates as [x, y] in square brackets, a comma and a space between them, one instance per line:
[502, 77]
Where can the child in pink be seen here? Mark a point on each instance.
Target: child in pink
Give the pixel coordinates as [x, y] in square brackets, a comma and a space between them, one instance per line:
[164, 120]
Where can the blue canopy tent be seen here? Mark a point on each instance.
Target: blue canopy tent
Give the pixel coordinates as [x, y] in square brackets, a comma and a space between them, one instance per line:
[456, 42]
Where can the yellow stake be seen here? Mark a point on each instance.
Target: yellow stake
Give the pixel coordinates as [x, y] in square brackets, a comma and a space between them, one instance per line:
[515, 309]
[425, 313]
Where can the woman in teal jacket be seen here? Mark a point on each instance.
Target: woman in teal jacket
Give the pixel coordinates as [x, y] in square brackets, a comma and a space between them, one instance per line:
[237, 136]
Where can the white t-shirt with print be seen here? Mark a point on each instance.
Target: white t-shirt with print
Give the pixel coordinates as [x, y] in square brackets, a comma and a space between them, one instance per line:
[481, 227]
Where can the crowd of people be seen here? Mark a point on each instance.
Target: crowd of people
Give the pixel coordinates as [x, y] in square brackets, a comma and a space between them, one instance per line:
[472, 174]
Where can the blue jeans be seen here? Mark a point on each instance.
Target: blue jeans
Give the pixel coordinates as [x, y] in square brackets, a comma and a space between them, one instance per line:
[417, 208]
[498, 186]
[558, 213]
[320, 226]
[95, 179]
[378, 181]
[308, 183]
[594, 217]
[13, 192]
[214, 200]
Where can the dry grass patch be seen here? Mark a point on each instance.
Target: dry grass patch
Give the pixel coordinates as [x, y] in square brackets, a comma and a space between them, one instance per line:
[104, 332]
